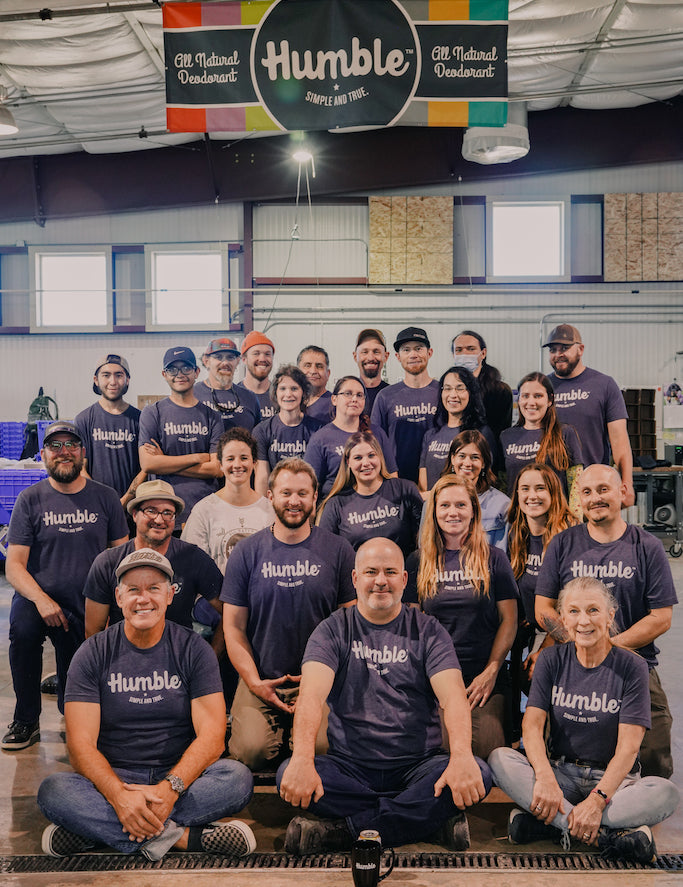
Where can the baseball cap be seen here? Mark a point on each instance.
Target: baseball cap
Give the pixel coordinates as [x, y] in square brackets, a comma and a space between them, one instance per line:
[155, 489]
[222, 345]
[563, 334]
[62, 426]
[144, 557]
[112, 358]
[255, 338]
[364, 335]
[411, 334]
[179, 353]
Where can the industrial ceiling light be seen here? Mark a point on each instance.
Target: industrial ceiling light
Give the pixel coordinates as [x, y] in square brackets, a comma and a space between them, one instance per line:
[499, 144]
[8, 126]
[302, 156]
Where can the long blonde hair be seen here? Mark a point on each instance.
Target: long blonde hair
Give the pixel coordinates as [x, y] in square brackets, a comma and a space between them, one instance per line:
[474, 557]
[345, 479]
[559, 517]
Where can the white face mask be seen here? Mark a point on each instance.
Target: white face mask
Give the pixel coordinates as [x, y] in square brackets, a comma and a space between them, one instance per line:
[468, 361]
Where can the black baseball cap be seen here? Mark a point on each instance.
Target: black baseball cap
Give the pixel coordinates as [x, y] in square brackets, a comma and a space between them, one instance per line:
[179, 354]
[411, 334]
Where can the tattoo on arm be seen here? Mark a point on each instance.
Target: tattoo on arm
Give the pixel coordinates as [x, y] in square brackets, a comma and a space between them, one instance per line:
[554, 627]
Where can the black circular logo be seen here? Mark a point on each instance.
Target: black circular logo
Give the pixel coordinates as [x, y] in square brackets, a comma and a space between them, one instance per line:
[336, 64]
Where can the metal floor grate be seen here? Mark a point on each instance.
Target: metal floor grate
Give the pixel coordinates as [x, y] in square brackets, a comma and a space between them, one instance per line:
[556, 862]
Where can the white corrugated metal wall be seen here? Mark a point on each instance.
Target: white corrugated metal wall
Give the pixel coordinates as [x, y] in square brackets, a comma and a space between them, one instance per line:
[632, 331]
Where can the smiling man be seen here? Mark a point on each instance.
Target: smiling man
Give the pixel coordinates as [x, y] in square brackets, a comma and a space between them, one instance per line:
[632, 564]
[371, 356]
[258, 352]
[279, 584]
[314, 363]
[145, 729]
[238, 407]
[384, 669]
[109, 430]
[58, 527]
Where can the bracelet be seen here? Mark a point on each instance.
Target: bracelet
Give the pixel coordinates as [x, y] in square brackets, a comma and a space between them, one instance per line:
[597, 791]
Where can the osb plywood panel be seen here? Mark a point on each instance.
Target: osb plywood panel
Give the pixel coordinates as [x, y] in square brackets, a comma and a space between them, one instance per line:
[411, 240]
[643, 237]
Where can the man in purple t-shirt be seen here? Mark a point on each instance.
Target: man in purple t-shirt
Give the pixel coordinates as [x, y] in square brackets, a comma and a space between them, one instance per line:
[314, 363]
[406, 410]
[633, 565]
[279, 584]
[384, 670]
[592, 403]
[371, 355]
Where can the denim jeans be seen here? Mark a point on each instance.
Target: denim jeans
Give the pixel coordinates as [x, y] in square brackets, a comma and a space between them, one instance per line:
[399, 802]
[72, 801]
[27, 633]
[636, 802]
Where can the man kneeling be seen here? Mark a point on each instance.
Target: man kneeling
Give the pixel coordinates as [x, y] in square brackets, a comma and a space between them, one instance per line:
[145, 726]
[384, 669]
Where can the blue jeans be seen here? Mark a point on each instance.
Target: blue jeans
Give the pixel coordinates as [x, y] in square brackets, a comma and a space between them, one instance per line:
[399, 803]
[636, 802]
[27, 633]
[72, 801]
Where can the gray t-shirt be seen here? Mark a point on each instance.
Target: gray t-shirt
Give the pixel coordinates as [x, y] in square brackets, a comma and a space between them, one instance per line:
[520, 446]
[325, 449]
[111, 445]
[276, 441]
[405, 415]
[241, 408]
[266, 406]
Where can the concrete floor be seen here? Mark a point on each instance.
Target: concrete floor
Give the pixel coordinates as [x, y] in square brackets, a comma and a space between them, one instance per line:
[21, 823]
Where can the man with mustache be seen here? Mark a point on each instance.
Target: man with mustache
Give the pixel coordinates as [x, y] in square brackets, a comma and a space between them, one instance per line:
[371, 356]
[279, 584]
[632, 564]
[258, 352]
[58, 527]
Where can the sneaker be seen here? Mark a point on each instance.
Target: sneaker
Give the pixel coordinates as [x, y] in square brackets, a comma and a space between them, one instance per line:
[58, 841]
[232, 838]
[20, 736]
[634, 844]
[454, 833]
[523, 828]
[316, 836]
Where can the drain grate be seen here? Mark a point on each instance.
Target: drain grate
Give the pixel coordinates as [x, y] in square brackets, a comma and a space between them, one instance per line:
[109, 862]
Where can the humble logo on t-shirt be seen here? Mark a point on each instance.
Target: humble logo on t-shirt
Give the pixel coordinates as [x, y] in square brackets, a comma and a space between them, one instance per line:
[185, 428]
[416, 411]
[381, 657]
[608, 570]
[567, 398]
[291, 447]
[378, 513]
[123, 434]
[528, 449]
[269, 570]
[581, 702]
[50, 519]
[117, 683]
[439, 447]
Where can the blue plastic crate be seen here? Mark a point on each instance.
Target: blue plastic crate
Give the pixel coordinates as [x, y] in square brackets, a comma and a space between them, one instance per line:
[41, 427]
[13, 481]
[11, 439]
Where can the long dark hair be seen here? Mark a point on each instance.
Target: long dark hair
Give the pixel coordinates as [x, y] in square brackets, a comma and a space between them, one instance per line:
[473, 415]
[553, 448]
[487, 477]
[364, 418]
[489, 377]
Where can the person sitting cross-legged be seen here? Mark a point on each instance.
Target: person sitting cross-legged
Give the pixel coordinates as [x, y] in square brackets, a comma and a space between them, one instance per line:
[145, 727]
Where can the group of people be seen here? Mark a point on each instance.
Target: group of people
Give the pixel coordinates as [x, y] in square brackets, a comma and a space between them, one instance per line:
[375, 602]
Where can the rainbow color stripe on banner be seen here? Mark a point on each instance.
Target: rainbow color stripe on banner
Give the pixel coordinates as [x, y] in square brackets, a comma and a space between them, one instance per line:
[211, 86]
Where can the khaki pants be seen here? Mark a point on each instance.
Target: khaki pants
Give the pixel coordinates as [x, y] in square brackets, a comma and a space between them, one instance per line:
[262, 735]
[655, 751]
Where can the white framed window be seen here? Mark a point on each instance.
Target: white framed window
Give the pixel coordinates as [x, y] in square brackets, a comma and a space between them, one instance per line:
[71, 289]
[527, 240]
[187, 287]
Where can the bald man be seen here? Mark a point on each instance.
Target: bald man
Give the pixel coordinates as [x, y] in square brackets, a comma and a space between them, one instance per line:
[384, 669]
[632, 564]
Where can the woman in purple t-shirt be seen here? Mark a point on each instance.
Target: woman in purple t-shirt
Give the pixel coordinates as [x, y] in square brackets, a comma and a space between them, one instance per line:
[469, 587]
[539, 436]
[583, 780]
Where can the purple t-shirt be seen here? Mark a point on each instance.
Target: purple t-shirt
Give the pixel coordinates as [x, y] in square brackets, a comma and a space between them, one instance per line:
[181, 431]
[586, 705]
[65, 532]
[266, 406]
[244, 408]
[406, 414]
[276, 441]
[634, 568]
[588, 402]
[435, 446]
[471, 619]
[193, 573]
[288, 590]
[520, 446]
[324, 454]
[527, 581]
[393, 512]
[382, 707]
[111, 445]
[322, 408]
[145, 695]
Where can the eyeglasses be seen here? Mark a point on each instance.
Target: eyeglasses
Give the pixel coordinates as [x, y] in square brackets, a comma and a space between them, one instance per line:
[56, 445]
[153, 513]
[184, 370]
[352, 395]
[459, 389]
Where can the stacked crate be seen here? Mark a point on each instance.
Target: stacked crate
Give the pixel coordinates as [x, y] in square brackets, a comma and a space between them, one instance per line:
[642, 429]
[11, 439]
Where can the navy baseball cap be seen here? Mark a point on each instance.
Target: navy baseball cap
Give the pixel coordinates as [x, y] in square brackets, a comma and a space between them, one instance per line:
[179, 354]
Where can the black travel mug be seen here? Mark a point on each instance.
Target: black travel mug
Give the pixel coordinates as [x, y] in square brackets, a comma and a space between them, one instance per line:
[366, 859]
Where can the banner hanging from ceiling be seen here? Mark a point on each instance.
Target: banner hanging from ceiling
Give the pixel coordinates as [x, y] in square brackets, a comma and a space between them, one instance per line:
[334, 64]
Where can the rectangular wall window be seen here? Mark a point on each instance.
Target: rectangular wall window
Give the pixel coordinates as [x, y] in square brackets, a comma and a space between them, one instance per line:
[527, 240]
[71, 289]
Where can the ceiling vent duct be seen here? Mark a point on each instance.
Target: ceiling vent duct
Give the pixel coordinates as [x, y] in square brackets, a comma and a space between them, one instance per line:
[499, 144]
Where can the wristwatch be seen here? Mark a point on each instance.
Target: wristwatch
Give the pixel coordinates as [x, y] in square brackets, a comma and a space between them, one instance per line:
[177, 783]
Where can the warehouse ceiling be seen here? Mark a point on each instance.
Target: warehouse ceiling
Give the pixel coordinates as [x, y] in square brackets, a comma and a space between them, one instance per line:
[86, 78]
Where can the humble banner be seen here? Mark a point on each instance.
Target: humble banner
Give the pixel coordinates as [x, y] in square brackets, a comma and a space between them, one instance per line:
[334, 64]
